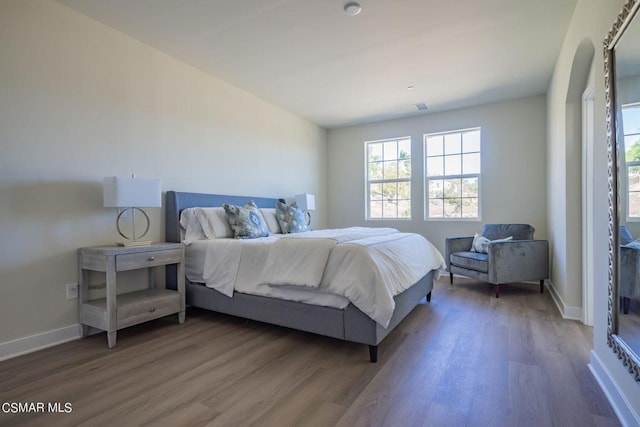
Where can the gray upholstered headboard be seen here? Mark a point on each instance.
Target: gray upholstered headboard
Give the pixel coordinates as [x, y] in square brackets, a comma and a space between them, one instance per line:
[175, 202]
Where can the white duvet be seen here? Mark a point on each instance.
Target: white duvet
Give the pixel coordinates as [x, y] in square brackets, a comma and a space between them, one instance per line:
[365, 266]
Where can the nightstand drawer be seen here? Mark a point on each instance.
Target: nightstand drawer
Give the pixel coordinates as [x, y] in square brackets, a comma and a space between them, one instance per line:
[133, 261]
[142, 306]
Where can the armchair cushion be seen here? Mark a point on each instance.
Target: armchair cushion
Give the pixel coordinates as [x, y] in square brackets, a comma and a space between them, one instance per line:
[471, 260]
[455, 244]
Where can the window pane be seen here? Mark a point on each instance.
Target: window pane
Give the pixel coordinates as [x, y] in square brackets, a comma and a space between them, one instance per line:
[632, 148]
[375, 191]
[375, 152]
[389, 190]
[404, 190]
[634, 178]
[436, 189]
[631, 119]
[471, 163]
[404, 149]
[389, 209]
[470, 208]
[390, 150]
[470, 187]
[634, 204]
[452, 143]
[404, 169]
[390, 170]
[434, 145]
[452, 188]
[471, 141]
[436, 208]
[435, 166]
[375, 171]
[452, 208]
[404, 208]
[375, 209]
[453, 165]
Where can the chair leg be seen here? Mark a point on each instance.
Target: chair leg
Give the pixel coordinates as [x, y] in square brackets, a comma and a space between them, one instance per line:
[373, 353]
[497, 291]
[451, 278]
[541, 286]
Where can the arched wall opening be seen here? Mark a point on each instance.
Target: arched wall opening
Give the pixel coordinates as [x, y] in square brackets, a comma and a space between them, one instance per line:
[574, 174]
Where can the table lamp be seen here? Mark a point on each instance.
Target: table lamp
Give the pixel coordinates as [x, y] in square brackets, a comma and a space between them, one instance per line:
[132, 194]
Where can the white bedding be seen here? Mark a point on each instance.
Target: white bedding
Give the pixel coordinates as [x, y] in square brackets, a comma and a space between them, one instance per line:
[364, 266]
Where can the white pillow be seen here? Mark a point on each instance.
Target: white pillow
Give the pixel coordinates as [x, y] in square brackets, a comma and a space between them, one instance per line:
[190, 228]
[481, 244]
[270, 218]
[214, 222]
[205, 223]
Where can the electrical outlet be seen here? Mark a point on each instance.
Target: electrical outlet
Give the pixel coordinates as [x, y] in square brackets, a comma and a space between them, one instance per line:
[72, 290]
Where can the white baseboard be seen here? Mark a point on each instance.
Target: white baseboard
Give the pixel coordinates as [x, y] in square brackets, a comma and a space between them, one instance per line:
[619, 403]
[33, 343]
[566, 311]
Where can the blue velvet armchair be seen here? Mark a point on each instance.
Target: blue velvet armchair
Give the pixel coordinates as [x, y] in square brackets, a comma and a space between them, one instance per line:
[517, 260]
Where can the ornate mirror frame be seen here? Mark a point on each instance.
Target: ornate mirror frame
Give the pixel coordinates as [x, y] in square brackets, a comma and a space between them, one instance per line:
[617, 343]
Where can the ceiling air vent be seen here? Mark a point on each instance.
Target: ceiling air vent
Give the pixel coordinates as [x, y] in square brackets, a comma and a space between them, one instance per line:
[422, 106]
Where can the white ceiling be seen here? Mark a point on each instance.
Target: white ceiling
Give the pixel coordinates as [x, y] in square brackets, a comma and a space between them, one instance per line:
[310, 58]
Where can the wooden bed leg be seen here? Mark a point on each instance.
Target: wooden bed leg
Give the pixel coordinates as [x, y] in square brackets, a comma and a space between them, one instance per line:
[541, 286]
[451, 278]
[626, 302]
[373, 353]
[429, 296]
[497, 291]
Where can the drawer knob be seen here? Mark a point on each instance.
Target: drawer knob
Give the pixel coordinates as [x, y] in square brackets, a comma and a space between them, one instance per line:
[152, 310]
[151, 258]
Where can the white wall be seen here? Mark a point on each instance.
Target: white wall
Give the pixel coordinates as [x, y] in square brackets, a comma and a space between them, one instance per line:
[590, 24]
[80, 101]
[513, 168]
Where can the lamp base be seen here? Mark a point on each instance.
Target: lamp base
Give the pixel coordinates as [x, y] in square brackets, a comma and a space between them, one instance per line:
[135, 243]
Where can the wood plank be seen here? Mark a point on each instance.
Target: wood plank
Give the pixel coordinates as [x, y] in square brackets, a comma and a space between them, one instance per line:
[465, 358]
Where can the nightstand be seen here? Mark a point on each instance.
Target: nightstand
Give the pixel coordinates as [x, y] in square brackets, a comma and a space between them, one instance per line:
[117, 311]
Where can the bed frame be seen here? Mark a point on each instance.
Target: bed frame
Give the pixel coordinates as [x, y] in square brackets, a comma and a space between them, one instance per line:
[348, 324]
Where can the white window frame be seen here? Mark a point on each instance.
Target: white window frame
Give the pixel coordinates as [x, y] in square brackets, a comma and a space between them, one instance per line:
[627, 164]
[383, 181]
[478, 175]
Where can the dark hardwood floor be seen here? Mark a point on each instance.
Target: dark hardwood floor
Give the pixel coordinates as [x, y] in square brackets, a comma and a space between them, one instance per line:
[464, 359]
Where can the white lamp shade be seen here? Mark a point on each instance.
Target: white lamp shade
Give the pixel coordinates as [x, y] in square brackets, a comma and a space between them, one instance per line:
[131, 192]
[306, 201]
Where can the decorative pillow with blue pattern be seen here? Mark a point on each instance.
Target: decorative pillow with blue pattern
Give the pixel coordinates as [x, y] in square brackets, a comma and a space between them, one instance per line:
[247, 221]
[290, 218]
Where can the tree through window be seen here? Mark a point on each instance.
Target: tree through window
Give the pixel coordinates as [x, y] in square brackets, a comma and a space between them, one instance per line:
[452, 174]
[388, 178]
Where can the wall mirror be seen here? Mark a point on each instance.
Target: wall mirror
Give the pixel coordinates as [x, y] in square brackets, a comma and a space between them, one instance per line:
[622, 85]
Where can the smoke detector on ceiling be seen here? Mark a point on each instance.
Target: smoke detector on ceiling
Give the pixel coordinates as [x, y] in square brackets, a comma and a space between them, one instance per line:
[352, 8]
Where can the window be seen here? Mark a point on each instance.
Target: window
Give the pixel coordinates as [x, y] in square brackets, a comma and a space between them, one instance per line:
[452, 175]
[388, 178]
[631, 131]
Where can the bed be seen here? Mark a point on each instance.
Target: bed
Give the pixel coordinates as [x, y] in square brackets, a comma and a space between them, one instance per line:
[347, 323]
